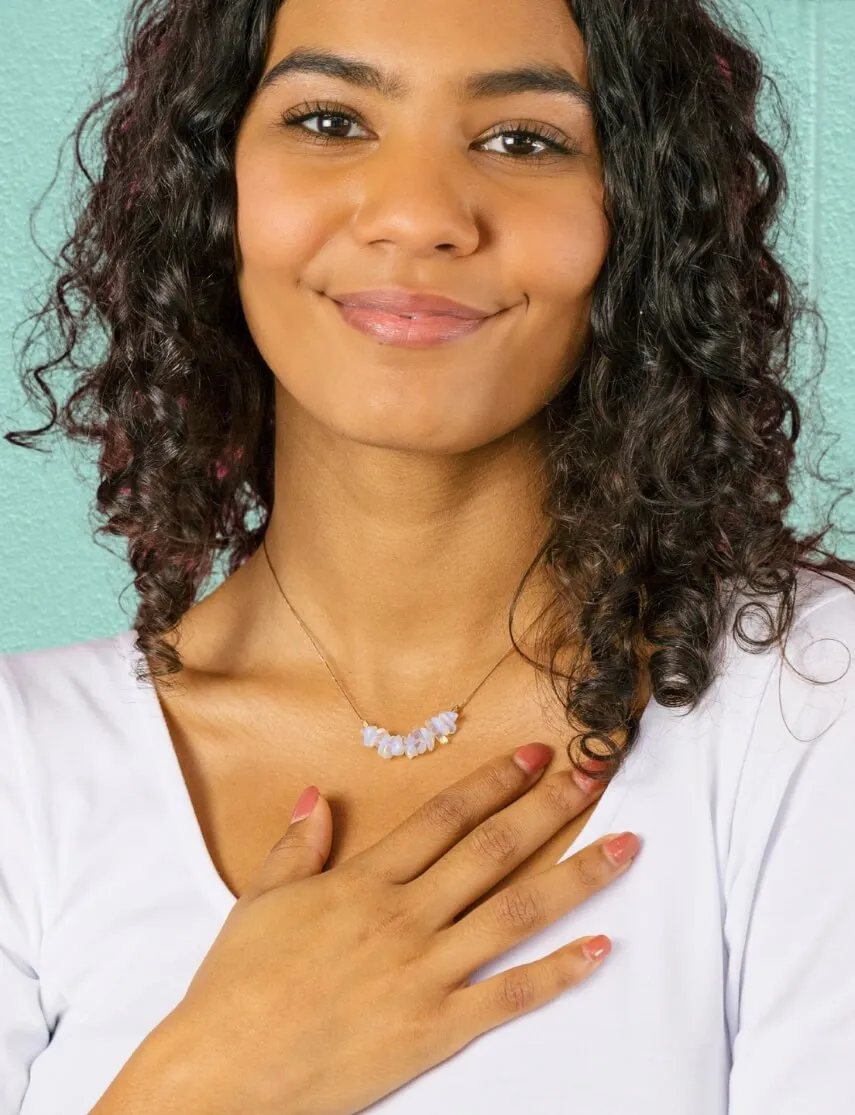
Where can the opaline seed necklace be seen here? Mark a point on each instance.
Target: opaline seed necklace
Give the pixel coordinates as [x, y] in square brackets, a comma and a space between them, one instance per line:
[436, 729]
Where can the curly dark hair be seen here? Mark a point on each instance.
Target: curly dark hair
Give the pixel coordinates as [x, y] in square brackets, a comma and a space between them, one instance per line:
[668, 458]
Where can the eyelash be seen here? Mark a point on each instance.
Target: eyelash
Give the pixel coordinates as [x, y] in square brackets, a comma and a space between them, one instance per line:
[295, 117]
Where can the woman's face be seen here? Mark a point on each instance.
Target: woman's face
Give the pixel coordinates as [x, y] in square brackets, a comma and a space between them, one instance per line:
[432, 190]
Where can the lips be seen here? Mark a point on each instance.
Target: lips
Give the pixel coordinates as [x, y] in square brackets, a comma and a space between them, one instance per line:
[409, 304]
[418, 331]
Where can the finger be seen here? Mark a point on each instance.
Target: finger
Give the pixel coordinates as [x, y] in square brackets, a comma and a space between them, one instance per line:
[523, 909]
[473, 1010]
[452, 813]
[302, 850]
[498, 845]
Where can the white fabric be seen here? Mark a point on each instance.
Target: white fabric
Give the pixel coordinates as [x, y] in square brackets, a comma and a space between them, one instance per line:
[731, 984]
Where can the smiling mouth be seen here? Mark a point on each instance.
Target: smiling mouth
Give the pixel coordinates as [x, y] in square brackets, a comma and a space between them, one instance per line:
[411, 330]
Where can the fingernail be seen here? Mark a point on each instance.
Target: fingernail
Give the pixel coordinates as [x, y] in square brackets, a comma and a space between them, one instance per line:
[305, 804]
[586, 784]
[621, 848]
[533, 757]
[597, 947]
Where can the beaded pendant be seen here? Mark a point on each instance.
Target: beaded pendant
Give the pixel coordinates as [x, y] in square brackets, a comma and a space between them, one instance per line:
[435, 730]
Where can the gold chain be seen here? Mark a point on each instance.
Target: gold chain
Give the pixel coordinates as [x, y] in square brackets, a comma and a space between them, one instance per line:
[455, 708]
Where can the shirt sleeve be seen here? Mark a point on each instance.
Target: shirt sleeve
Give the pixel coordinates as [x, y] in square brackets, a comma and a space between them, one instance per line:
[23, 1028]
[793, 1052]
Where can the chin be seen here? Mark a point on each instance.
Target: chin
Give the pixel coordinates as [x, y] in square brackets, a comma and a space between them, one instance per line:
[405, 438]
[407, 417]
[407, 430]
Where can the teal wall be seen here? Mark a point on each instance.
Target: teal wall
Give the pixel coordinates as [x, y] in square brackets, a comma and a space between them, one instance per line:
[58, 586]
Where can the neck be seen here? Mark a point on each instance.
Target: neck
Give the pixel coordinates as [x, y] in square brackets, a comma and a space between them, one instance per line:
[402, 565]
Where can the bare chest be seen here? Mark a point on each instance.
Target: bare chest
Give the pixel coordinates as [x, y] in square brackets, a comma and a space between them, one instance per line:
[243, 782]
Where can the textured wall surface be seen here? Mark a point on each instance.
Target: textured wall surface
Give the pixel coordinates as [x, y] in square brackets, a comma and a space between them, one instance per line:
[57, 585]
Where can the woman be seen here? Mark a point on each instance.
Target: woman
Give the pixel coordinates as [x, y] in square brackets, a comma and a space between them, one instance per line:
[582, 454]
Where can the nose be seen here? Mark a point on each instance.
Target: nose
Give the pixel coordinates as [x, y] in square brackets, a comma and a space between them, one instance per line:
[418, 202]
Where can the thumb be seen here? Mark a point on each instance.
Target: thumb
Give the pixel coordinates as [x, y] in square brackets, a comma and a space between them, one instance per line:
[305, 846]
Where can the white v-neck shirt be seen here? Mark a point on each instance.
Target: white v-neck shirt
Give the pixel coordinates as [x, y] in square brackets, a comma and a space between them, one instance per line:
[730, 989]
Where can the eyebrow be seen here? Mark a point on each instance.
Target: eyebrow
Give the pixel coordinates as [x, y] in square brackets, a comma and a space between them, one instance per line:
[534, 78]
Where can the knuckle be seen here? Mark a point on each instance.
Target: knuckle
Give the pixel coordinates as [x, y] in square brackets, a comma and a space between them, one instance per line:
[285, 841]
[495, 841]
[559, 795]
[567, 968]
[516, 990]
[501, 778]
[297, 852]
[358, 875]
[519, 909]
[446, 812]
[413, 1034]
[392, 918]
[589, 870]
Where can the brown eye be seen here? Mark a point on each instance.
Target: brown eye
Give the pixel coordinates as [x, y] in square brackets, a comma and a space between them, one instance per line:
[297, 117]
[544, 138]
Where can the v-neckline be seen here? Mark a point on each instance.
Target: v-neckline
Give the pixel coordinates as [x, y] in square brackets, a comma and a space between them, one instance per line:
[160, 745]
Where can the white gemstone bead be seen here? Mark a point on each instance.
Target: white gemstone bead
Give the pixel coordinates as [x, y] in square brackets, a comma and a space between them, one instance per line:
[396, 745]
[418, 739]
[372, 735]
[444, 724]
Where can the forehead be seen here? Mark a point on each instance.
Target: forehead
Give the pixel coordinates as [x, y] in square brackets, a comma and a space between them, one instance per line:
[430, 41]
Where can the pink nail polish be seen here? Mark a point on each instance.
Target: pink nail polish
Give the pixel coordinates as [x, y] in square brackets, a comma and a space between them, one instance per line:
[587, 785]
[532, 757]
[305, 804]
[623, 847]
[597, 948]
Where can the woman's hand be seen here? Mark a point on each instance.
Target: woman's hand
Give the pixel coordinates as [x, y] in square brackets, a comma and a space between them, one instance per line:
[325, 991]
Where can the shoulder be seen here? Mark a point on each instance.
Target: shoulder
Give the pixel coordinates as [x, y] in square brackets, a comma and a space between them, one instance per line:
[820, 598]
[796, 770]
[810, 681]
[66, 689]
[70, 755]
[57, 671]
[771, 718]
[65, 714]
[819, 637]
[789, 911]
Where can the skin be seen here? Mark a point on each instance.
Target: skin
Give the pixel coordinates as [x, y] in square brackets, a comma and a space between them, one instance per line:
[408, 481]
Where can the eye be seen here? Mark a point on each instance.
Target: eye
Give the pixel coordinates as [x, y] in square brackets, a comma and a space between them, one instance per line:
[539, 135]
[296, 118]
[550, 142]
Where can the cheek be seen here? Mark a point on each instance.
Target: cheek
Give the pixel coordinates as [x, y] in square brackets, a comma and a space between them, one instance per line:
[566, 248]
[558, 260]
[278, 225]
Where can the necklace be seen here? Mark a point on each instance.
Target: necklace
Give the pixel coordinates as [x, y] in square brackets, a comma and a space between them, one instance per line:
[436, 729]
